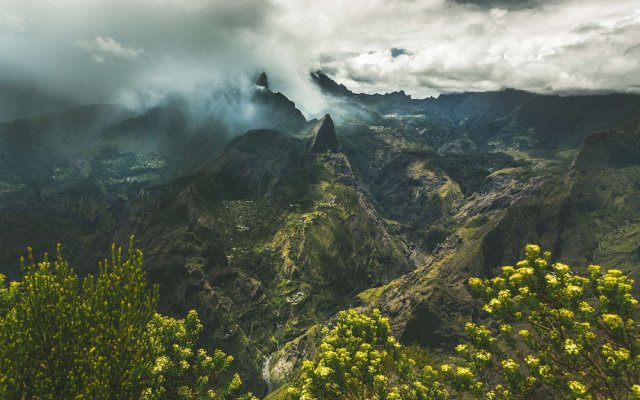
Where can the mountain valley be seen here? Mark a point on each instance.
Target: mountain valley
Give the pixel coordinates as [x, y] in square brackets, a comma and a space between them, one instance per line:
[269, 224]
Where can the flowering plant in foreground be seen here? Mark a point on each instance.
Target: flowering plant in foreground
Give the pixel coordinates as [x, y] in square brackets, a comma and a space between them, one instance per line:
[99, 337]
[360, 359]
[555, 333]
[551, 333]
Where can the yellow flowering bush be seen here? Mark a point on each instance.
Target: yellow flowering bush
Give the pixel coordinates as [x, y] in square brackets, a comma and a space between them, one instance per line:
[181, 372]
[577, 338]
[63, 337]
[550, 333]
[360, 359]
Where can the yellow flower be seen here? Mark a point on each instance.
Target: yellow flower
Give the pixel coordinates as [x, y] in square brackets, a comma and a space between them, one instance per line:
[497, 281]
[507, 270]
[482, 355]
[505, 328]
[321, 370]
[463, 372]
[585, 307]
[462, 348]
[577, 388]
[566, 313]
[541, 262]
[573, 291]
[475, 283]
[552, 280]
[613, 321]
[561, 268]
[510, 366]
[531, 360]
[544, 371]
[532, 250]
[571, 347]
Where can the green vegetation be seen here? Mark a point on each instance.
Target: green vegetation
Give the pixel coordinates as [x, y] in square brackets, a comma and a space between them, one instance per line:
[560, 334]
[360, 359]
[63, 337]
[551, 333]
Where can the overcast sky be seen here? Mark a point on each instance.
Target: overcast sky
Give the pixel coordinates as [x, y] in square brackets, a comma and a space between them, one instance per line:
[136, 51]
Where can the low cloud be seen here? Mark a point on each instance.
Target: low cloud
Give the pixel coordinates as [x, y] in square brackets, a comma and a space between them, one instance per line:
[106, 48]
[138, 51]
[11, 24]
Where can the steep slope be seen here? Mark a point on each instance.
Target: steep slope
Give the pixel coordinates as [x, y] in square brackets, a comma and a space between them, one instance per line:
[269, 233]
[324, 137]
[588, 215]
[73, 176]
[274, 110]
[265, 242]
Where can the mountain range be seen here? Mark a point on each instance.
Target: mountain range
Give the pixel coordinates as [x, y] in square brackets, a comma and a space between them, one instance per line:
[268, 224]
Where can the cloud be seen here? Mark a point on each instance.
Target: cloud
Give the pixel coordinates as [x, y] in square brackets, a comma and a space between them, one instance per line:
[106, 48]
[561, 47]
[505, 4]
[11, 24]
[138, 51]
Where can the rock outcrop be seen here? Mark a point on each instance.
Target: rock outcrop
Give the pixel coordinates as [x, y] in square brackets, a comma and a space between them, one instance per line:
[263, 81]
[324, 138]
[275, 111]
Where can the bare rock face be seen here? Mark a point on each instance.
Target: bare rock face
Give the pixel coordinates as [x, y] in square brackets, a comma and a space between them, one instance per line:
[263, 81]
[325, 137]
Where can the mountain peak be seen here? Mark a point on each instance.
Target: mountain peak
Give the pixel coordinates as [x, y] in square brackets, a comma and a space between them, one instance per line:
[263, 81]
[329, 86]
[325, 137]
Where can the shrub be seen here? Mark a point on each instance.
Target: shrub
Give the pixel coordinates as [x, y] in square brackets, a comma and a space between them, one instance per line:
[550, 333]
[360, 359]
[557, 333]
[62, 337]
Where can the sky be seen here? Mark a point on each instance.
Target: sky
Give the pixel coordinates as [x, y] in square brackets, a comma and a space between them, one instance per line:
[136, 52]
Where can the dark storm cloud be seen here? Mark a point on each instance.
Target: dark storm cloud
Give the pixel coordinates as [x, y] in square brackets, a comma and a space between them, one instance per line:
[19, 100]
[506, 4]
[136, 52]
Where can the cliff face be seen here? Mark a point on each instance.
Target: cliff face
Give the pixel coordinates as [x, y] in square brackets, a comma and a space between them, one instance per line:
[324, 137]
[265, 242]
[263, 81]
[589, 214]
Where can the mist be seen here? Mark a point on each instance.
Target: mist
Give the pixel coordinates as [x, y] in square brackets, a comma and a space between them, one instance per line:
[139, 53]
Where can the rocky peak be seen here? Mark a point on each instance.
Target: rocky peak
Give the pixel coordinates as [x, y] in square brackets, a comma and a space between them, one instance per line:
[263, 81]
[324, 138]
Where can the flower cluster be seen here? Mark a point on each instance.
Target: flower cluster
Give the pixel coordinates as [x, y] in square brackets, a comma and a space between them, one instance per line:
[360, 358]
[575, 333]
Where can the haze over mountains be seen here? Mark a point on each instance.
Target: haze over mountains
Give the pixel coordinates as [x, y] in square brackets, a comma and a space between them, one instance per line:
[268, 223]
